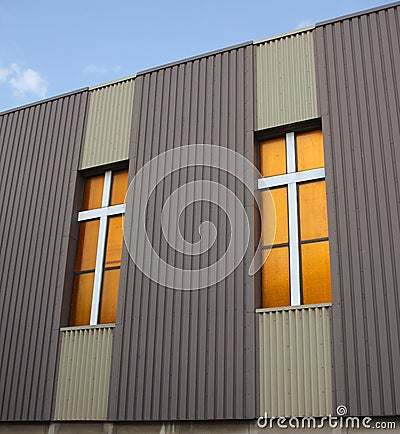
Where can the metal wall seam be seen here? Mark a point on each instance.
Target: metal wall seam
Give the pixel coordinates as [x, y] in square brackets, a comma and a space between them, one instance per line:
[295, 362]
[358, 65]
[40, 145]
[109, 124]
[84, 374]
[188, 355]
[286, 88]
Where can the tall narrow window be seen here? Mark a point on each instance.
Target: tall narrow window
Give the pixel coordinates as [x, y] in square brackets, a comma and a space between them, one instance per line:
[297, 269]
[98, 258]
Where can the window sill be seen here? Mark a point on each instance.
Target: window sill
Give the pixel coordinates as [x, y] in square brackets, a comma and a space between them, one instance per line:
[302, 306]
[88, 327]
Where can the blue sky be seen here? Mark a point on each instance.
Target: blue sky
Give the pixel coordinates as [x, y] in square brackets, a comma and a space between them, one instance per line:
[51, 47]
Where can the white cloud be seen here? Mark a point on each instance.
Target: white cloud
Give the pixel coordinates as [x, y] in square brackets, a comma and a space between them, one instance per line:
[29, 81]
[303, 24]
[24, 81]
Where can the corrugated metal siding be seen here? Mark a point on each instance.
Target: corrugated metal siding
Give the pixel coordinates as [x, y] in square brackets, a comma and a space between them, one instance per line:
[39, 155]
[84, 374]
[286, 89]
[295, 362]
[358, 70]
[189, 354]
[109, 124]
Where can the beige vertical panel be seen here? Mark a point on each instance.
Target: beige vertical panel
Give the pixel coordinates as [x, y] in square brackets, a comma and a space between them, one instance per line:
[109, 124]
[295, 362]
[84, 374]
[286, 89]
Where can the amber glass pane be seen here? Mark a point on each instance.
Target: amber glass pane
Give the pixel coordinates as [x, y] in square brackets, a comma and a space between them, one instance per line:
[275, 278]
[119, 187]
[313, 213]
[279, 196]
[87, 245]
[310, 150]
[81, 299]
[114, 242]
[268, 218]
[93, 193]
[273, 157]
[316, 274]
[109, 296]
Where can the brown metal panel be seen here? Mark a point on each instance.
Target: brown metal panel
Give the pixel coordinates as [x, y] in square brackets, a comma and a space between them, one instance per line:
[188, 355]
[358, 62]
[40, 146]
[244, 147]
[358, 14]
[194, 314]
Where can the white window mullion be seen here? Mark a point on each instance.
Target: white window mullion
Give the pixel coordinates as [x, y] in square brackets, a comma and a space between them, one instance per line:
[101, 247]
[276, 181]
[98, 274]
[106, 189]
[294, 259]
[290, 153]
[99, 212]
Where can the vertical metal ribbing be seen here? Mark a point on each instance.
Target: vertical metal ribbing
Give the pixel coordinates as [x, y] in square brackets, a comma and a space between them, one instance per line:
[84, 373]
[358, 65]
[295, 378]
[286, 88]
[188, 355]
[40, 145]
[109, 124]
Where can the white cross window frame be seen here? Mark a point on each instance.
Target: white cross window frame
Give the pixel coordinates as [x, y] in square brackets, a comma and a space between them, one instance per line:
[103, 214]
[290, 180]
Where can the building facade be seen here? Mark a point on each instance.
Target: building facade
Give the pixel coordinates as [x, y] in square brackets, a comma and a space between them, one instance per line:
[208, 242]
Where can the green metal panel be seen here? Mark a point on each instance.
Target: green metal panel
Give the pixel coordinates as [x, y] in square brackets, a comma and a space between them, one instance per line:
[286, 89]
[109, 124]
[84, 373]
[295, 361]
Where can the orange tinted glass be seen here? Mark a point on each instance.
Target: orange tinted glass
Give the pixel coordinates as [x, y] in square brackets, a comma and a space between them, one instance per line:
[81, 299]
[93, 193]
[109, 297]
[279, 196]
[114, 242]
[273, 157]
[119, 187]
[87, 245]
[316, 274]
[275, 278]
[268, 218]
[313, 212]
[310, 150]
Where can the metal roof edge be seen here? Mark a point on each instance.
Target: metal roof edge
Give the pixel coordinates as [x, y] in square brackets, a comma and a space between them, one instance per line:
[191, 59]
[42, 101]
[285, 35]
[112, 82]
[357, 14]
